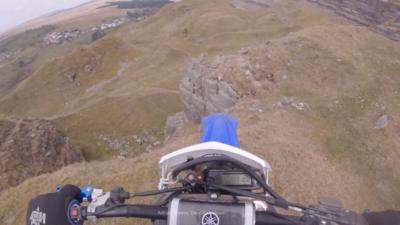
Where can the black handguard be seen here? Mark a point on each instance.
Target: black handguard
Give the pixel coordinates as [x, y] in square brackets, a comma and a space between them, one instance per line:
[53, 208]
[389, 217]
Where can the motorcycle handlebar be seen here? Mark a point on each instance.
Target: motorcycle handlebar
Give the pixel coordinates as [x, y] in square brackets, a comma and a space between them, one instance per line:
[161, 213]
[137, 211]
[264, 218]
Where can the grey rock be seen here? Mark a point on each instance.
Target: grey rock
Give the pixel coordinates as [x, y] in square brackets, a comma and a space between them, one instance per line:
[202, 95]
[112, 24]
[287, 100]
[300, 106]
[71, 76]
[121, 145]
[382, 122]
[4, 56]
[89, 68]
[57, 38]
[97, 34]
[137, 139]
[173, 124]
[138, 13]
[283, 74]
[8, 55]
[25, 61]
[124, 145]
[293, 102]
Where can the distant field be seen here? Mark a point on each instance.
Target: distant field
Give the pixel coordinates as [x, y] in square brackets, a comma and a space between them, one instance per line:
[137, 4]
[25, 39]
[85, 14]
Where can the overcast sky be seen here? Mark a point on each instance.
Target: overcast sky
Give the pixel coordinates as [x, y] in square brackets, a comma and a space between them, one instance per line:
[15, 12]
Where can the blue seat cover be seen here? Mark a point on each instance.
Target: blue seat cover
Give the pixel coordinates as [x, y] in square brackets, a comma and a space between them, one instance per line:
[220, 127]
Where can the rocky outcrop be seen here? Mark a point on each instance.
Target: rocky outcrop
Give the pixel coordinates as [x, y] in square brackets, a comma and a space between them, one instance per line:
[382, 16]
[5, 55]
[382, 122]
[129, 145]
[8, 55]
[173, 124]
[139, 14]
[32, 147]
[111, 24]
[201, 94]
[57, 38]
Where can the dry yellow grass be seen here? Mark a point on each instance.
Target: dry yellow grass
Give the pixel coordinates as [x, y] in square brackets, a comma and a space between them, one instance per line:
[140, 57]
[347, 75]
[335, 76]
[105, 175]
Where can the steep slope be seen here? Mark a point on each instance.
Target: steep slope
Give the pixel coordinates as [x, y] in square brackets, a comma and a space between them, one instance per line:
[381, 16]
[87, 13]
[29, 47]
[317, 98]
[314, 105]
[26, 48]
[100, 174]
[32, 147]
[47, 52]
[144, 58]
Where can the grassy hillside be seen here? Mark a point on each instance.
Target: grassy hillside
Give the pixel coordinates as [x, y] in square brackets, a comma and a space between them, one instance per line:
[317, 95]
[26, 44]
[143, 58]
[314, 90]
[99, 174]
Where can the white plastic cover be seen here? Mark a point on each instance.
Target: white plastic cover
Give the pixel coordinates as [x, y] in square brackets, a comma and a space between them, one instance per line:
[172, 160]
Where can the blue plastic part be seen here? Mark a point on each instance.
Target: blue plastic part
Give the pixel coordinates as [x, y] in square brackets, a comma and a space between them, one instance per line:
[86, 193]
[58, 188]
[220, 127]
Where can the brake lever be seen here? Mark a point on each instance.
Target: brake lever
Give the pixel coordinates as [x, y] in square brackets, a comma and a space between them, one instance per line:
[99, 198]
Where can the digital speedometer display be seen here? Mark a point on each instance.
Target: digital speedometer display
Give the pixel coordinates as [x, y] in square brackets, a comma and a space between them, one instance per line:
[236, 179]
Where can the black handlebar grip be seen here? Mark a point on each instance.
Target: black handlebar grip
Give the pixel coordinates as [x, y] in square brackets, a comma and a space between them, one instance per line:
[388, 217]
[269, 218]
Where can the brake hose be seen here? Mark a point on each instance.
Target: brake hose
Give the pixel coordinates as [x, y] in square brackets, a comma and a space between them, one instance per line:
[157, 192]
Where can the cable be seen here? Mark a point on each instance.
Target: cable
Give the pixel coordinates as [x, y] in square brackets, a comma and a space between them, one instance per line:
[157, 192]
[271, 201]
[142, 194]
[168, 198]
